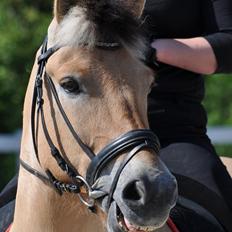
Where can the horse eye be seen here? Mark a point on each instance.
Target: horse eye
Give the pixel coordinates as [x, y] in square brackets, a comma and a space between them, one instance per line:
[70, 85]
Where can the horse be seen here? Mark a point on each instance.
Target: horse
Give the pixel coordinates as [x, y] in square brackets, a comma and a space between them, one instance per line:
[89, 161]
[87, 95]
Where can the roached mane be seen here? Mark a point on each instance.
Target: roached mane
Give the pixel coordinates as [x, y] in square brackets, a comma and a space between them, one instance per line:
[91, 22]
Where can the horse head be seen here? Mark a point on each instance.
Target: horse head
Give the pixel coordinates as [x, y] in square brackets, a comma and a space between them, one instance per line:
[86, 104]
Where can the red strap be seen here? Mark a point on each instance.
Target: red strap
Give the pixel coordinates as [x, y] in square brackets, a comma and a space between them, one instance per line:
[172, 226]
[8, 230]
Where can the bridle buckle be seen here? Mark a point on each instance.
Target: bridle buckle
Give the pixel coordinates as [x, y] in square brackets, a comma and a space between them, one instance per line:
[89, 201]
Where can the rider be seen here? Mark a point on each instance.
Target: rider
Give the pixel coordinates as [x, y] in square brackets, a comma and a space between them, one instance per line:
[191, 38]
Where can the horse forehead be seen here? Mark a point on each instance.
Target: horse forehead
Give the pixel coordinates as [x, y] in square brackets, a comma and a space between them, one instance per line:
[68, 61]
[71, 59]
[104, 65]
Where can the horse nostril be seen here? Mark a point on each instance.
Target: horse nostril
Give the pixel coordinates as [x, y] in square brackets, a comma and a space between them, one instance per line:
[133, 191]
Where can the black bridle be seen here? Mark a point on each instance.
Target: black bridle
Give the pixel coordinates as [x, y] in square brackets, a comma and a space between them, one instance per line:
[130, 143]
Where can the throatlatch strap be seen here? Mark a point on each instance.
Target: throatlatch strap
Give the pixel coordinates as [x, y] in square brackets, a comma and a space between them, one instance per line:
[50, 180]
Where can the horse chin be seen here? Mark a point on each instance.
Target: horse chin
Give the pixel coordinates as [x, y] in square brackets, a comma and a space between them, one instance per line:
[116, 222]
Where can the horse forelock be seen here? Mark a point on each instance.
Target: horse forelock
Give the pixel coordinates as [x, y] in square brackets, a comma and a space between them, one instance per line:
[107, 23]
[75, 30]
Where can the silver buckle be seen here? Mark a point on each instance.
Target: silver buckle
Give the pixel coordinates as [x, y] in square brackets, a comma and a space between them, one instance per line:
[90, 202]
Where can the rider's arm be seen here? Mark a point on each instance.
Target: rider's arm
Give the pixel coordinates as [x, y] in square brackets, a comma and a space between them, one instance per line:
[194, 54]
[208, 54]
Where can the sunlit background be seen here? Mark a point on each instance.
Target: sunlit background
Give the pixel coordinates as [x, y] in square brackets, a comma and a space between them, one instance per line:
[23, 25]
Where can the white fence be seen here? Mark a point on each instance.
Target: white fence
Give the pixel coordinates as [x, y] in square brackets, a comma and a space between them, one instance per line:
[220, 135]
[11, 143]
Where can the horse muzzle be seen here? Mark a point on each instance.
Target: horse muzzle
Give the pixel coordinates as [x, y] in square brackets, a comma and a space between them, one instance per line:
[138, 195]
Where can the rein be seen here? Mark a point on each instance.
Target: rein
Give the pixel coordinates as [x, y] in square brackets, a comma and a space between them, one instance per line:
[131, 143]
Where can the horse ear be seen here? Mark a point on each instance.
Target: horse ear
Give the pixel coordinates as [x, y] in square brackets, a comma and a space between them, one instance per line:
[61, 8]
[134, 6]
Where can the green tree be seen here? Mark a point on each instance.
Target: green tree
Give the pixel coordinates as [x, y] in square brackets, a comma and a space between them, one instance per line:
[23, 25]
[218, 101]
[219, 105]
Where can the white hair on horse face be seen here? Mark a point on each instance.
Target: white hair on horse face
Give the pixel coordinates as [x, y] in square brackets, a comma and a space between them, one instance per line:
[76, 30]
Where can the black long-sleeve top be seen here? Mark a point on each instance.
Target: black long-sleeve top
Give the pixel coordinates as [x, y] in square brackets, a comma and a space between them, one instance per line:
[175, 109]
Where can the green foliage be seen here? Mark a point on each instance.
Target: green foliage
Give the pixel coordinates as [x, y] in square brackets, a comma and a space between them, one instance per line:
[8, 168]
[218, 101]
[23, 25]
[224, 150]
